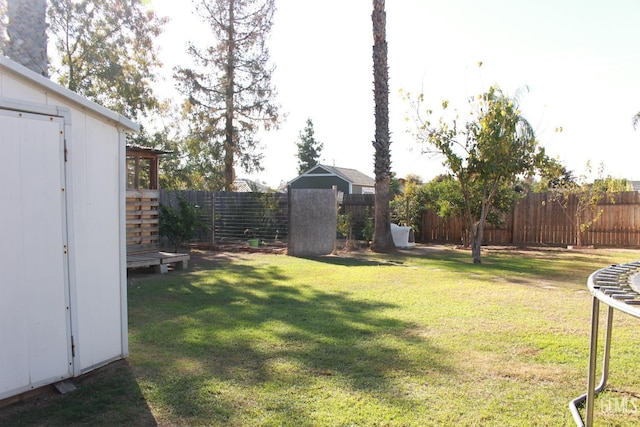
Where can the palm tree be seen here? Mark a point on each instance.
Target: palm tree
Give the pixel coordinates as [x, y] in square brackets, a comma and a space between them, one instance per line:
[382, 240]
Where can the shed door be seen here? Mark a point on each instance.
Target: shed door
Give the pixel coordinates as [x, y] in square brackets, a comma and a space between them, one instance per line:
[35, 333]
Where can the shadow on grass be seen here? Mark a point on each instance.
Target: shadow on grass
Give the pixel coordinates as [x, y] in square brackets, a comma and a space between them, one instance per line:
[206, 343]
[354, 261]
[109, 396]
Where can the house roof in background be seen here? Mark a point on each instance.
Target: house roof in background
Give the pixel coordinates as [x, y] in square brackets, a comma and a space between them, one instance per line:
[244, 185]
[635, 185]
[353, 176]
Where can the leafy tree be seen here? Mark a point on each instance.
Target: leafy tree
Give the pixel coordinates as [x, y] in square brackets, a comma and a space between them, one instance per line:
[485, 154]
[579, 199]
[636, 120]
[444, 195]
[188, 166]
[185, 166]
[230, 95]
[553, 174]
[382, 239]
[308, 148]
[106, 51]
[407, 207]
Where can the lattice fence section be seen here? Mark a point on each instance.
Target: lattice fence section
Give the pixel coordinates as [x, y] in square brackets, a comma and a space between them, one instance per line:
[142, 221]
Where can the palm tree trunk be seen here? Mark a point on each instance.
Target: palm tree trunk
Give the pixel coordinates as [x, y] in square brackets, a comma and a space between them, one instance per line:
[27, 34]
[382, 239]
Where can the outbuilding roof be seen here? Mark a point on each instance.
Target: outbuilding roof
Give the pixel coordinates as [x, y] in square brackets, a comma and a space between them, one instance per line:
[55, 89]
[352, 176]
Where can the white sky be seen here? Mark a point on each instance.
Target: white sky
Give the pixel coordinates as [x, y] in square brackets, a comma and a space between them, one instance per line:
[579, 58]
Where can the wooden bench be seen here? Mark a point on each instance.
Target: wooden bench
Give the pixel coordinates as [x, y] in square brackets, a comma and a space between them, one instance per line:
[160, 261]
[143, 231]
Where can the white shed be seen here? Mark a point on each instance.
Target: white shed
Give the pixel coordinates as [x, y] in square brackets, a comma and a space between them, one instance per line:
[63, 301]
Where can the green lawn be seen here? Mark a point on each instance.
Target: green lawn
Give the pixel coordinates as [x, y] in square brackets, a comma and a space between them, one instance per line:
[360, 340]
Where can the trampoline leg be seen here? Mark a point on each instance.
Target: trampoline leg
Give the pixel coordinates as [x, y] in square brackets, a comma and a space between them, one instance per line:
[592, 390]
[593, 356]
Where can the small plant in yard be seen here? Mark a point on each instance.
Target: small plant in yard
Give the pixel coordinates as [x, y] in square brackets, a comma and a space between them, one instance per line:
[368, 227]
[580, 199]
[345, 229]
[181, 223]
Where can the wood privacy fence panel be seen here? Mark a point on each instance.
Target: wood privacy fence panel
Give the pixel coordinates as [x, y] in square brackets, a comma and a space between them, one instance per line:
[536, 220]
[539, 220]
[142, 221]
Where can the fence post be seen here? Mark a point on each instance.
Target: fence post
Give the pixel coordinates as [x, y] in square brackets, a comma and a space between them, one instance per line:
[213, 219]
[335, 193]
[289, 217]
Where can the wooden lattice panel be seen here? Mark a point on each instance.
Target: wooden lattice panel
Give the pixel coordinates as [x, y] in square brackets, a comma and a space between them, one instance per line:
[142, 221]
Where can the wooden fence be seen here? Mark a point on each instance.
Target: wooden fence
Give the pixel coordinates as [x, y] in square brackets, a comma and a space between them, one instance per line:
[536, 220]
[238, 216]
[539, 220]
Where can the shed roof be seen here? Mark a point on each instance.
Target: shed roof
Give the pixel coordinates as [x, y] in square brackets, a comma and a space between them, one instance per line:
[82, 103]
[352, 176]
[146, 150]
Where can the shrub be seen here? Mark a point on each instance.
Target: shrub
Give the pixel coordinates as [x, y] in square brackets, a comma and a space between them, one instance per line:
[181, 223]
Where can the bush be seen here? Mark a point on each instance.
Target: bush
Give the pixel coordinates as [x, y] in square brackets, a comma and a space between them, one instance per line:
[182, 223]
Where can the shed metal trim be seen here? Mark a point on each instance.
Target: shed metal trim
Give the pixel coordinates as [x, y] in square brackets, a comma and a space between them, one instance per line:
[69, 95]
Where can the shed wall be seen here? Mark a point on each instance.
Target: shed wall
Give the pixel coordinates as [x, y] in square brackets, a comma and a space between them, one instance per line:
[34, 314]
[94, 153]
[95, 215]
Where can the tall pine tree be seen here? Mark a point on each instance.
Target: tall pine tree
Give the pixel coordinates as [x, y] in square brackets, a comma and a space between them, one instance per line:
[309, 148]
[230, 95]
